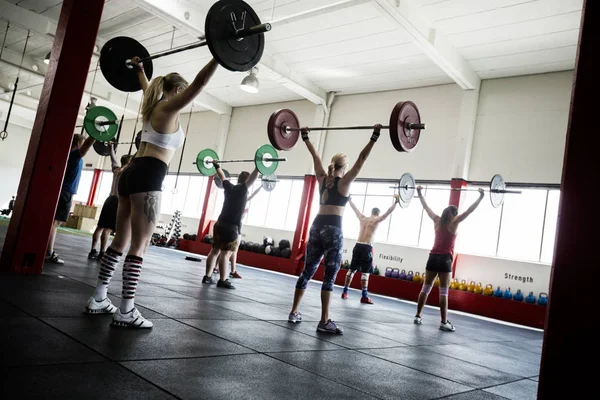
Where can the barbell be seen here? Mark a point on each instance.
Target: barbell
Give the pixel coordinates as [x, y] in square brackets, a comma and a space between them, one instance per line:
[233, 34]
[405, 127]
[267, 182]
[406, 190]
[266, 160]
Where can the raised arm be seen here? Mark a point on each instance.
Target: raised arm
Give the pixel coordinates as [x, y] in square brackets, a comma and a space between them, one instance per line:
[140, 73]
[252, 178]
[431, 214]
[319, 170]
[114, 163]
[254, 193]
[351, 175]
[389, 210]
[356, 211]
[187, 95]
[85, 147]
[220, 173]
[463, 216]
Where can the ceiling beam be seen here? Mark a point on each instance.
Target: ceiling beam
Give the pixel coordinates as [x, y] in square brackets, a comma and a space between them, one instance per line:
[27, 19]
[432, 42]
[190, 16]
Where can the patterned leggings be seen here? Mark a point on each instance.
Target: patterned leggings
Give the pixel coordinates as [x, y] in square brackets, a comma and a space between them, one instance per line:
[324, 241]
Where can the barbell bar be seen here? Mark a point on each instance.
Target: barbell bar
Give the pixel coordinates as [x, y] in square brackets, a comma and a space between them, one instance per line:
[405, 127]
[266, 160]
[233, 34]
[101, 123]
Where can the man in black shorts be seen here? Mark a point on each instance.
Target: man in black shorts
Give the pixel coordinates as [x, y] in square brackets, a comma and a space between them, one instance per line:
[79, 148]
[108, 216]
[226, 229]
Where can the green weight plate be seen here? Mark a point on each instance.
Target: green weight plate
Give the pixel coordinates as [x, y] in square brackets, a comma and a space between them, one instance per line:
[102, 133]
[261, 159]
[204, 162]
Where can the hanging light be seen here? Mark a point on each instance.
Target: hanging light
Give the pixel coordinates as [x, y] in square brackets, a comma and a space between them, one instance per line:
[47, 58]
[250, 83]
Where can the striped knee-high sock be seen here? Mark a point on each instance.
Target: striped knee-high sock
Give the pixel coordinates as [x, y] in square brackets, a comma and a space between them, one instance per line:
[132, 269]
[107, 269]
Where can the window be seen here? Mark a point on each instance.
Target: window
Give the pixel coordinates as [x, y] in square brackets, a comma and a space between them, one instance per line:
[106, 180]
[437, 198]
[259, 205]
[85, 185]
[550, 223]
[187, 198]
[279, 202]
[194, 199]
[291, 217]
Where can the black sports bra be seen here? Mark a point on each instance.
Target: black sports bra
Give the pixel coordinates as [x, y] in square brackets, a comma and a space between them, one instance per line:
[334, 198]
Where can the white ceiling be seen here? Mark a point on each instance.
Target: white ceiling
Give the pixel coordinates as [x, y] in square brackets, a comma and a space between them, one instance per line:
[352, 49]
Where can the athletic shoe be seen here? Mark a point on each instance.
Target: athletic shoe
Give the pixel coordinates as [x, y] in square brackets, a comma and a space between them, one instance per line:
[329, 327]
[225, 284]
[344, 296]
[366, 300]
[54, 259]
[100, 255]
[235, 275]
[447, 326]
[418, 320]
[131, 319]
[93, 254]
[99, 307]
[209, 280]
[295, 317]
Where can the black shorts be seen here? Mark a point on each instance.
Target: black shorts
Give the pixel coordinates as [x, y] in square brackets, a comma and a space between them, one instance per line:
[225, 236]
[63, 208]
[144, 174]
[362, 258]
[108, 215]
[439, 263]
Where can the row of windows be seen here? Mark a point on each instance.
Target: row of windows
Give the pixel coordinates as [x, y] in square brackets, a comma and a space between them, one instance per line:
[523, 228]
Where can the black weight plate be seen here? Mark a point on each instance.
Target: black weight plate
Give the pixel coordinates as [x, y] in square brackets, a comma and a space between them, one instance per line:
[404, 139]
[231, 53]
[113, 63]
[101, 148]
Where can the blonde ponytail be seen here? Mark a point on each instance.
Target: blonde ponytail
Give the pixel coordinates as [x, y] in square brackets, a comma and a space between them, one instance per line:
[152, 96]
[338, 161]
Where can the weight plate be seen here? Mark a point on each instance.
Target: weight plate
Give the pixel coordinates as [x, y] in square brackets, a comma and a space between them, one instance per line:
[276, 129]
[268, 182]
[101, 148]
[204, 162]
[222, 21]
[219, 182]
[406, 189]
[138, 140]
[113, 63]
[497, 183]
[261, 159]
[404, 139]
[102, 133]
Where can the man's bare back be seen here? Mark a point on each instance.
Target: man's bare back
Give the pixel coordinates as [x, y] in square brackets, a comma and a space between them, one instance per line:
[368, 225]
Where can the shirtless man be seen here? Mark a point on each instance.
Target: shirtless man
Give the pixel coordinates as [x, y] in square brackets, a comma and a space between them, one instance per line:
[362, 254]
[108, 216]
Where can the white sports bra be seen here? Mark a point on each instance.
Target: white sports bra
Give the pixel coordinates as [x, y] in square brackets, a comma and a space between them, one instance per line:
[167, 141]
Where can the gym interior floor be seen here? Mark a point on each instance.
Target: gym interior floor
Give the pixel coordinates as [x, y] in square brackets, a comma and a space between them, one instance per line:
[212, 343]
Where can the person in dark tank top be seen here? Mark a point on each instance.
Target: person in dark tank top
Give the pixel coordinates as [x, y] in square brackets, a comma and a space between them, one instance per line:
[441, 256]
[325, 238]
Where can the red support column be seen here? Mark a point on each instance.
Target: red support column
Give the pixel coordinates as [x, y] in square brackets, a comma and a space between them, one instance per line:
[207, 209]
[569, 337]
[51, 137]
[301, 234]
[94, 188]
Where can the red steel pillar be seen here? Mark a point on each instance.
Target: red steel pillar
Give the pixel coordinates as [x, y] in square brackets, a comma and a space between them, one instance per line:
[94, 188]
[207, 208]
[301, 234]
[569, 336]
[51, 137]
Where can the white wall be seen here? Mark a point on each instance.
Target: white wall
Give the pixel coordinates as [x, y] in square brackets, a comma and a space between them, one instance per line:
[248, 131]
[439, 107]
[521, 128]
[14, 150]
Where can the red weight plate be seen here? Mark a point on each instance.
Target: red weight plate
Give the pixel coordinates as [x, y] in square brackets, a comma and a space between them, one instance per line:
[278, 136]
[404, 139]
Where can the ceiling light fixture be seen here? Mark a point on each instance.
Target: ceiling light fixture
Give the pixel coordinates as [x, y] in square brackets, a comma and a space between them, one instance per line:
[250, 83]
[47, 58]
[35, 67]
[28, 92]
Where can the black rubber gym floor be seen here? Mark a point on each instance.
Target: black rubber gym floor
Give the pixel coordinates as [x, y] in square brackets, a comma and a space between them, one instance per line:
[211, 343]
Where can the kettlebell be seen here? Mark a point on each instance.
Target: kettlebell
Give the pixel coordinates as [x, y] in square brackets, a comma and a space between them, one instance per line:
[498, 292]
[388, 272]
[462, 285]
[417, 277]
[543, 299]
[454, 284]
[471, 287]
[376, 271]
[478, 289]
[489, 290]
[409, 276]
[507, 294]
[395, 273]
[436, 282]
[518, 296]
[402, 275]
[530, 298]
